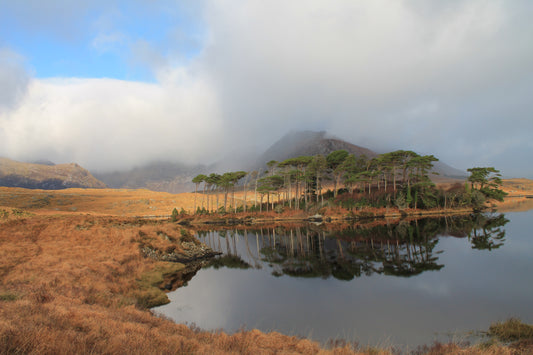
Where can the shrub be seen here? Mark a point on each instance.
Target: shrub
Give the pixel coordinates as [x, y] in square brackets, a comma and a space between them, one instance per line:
[8, 297]
[175, 215]
[511, 330]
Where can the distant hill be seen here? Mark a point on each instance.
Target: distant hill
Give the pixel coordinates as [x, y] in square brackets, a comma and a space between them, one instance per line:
[301, 143]
[45, 176]
[446, 171]
[156, 176]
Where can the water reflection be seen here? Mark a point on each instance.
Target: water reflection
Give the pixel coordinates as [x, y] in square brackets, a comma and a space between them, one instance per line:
[488, 232]
[406, 248]
[487, 261]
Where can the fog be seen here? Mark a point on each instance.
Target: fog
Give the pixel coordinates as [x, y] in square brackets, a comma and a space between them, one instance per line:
[452, 79]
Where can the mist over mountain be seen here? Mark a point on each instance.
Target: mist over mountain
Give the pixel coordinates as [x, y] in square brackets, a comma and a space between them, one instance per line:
[176, 177]
[300, 143]
[156, 176]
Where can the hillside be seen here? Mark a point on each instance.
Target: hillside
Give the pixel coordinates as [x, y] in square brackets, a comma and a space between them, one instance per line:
[45, 176]
[309, 143]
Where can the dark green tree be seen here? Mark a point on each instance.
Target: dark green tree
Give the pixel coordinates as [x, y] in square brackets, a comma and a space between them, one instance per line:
[487, 180]
[175, 215]
[197, 180]
[317, 168]
[335, 160]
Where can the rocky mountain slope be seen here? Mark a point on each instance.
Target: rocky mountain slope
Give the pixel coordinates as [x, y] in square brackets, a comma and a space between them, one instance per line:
[45, 176]
[295, 144]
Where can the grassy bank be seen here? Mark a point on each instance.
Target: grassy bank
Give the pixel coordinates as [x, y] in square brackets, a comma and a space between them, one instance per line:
[80, 284]
[76, 283]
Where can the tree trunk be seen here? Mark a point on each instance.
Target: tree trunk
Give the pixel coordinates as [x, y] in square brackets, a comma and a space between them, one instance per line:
[195, 192]
[317, 183]
[245, 202]
[226, 199]
[203, 198]
[233, 198]
[335, 184]
[217, 199]
[290, 192]
[255, 193]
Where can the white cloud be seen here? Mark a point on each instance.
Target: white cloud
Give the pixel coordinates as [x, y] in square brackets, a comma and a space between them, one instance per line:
[359, 69]
[450, 78]
[14, 79]
[111, 124]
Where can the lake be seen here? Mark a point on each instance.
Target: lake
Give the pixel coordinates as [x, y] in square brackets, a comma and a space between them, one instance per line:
[402, 284]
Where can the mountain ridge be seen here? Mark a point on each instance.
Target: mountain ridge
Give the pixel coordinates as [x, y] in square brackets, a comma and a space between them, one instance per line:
[174, 177]
[45, 176]
[301, 143]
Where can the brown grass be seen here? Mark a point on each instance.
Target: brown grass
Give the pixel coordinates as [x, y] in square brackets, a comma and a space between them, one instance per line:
[96, 201]
[75, 284]
[72, 283]
[511, 330]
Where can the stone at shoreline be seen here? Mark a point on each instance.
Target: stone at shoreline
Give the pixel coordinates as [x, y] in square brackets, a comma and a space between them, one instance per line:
[191, 252]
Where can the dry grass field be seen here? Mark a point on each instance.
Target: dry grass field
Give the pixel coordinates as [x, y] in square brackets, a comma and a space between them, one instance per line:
[76, 284]
[73, 280]
[516, 200]
[96, 201]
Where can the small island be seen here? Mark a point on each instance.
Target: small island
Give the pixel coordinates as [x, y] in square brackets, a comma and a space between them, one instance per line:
[340, 186]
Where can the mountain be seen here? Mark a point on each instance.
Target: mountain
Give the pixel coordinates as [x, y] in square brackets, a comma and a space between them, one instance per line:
[300, 143]
[446, 171]
[45, 176]
[156, 176]
[176, 177]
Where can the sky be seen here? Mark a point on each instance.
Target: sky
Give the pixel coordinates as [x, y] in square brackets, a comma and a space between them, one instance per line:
[115, 84]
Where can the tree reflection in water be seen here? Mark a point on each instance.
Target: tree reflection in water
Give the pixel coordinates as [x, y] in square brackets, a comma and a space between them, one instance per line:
[406, 248]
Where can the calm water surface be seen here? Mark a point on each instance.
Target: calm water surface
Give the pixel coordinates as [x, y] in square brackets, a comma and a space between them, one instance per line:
[399, 284]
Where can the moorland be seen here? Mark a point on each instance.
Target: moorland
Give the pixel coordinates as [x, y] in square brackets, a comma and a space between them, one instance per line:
[76, 277]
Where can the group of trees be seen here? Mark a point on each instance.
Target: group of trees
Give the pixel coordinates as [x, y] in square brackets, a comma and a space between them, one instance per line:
[399, 178]
[215, 183]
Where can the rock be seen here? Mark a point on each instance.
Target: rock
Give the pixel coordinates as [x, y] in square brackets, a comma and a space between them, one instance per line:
[191, 252]
[315, 218]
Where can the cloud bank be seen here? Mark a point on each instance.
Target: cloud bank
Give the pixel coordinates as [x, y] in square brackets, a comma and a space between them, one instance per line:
[14, 79]
[452, 79]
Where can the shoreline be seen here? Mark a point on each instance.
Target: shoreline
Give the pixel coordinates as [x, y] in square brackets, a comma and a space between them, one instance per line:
[251, 219]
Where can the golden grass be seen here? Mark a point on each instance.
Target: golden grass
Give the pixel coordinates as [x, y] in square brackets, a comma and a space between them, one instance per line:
[123, 202]
[72, 283]
[79, 284]
[96, 201]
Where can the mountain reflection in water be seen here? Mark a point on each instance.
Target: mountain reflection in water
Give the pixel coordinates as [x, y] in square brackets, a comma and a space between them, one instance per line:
[406, 248]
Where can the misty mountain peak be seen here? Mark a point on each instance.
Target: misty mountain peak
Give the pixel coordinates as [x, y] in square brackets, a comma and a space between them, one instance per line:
[299, 143]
